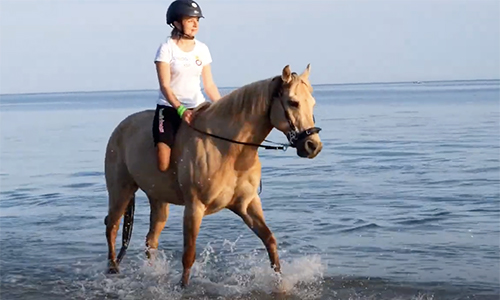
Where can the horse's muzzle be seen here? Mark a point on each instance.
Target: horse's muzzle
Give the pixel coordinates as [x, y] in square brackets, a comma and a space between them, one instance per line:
[307, 142]
[295, 137]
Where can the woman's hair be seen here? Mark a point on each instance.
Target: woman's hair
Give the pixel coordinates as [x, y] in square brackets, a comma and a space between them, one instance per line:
[176, 33]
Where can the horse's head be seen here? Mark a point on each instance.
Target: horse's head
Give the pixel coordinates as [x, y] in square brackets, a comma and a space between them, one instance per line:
[292, 113]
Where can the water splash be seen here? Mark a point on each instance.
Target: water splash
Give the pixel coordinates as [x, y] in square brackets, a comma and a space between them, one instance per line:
[216, 274]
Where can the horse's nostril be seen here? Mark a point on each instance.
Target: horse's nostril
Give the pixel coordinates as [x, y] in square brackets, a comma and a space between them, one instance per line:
[311, 146]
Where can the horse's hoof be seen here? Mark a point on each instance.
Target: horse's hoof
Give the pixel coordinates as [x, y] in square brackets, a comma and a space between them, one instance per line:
[151, 253]
[276, 268]
[113, 268]
[184, 283]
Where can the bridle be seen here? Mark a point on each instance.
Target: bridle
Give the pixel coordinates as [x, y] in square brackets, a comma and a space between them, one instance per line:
[293, 135]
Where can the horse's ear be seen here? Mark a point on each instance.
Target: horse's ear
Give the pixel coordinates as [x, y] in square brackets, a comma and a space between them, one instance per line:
[305, 74]
[287, 74]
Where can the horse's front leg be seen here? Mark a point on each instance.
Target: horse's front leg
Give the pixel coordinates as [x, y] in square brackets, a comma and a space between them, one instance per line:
[193, 214]
[254, 218]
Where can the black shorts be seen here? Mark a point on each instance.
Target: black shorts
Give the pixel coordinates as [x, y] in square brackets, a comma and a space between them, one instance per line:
[166, 122]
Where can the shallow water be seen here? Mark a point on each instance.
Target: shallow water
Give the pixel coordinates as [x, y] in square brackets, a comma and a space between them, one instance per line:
[403, 202]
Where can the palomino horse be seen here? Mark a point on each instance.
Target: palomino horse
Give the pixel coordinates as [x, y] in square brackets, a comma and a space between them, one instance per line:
[214, 165]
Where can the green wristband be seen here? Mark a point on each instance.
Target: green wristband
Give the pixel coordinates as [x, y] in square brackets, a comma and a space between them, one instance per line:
[180, 110]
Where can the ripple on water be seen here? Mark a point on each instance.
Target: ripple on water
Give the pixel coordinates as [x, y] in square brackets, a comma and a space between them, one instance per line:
[87, 174]
[361, 228]
[80, 185]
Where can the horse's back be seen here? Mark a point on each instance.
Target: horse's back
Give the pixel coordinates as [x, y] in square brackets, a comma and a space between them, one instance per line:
[133, 122]
[131, 128]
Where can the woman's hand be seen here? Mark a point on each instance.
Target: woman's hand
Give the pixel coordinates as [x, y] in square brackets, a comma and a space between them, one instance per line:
[188, 116]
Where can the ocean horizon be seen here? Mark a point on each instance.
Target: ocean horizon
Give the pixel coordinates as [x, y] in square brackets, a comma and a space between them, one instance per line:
[235, 87]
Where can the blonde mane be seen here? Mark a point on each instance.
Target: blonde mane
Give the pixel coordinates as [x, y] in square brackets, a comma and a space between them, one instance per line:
[253, 98]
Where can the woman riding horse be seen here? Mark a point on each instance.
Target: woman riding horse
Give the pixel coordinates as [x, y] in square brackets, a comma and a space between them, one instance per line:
[214, 163]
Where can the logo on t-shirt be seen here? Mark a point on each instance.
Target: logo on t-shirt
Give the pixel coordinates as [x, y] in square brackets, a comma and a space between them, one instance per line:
[198, 61]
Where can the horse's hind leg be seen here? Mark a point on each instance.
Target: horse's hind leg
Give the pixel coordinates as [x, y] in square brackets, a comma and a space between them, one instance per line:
[254, 218]
[120, 196]
[158, 219]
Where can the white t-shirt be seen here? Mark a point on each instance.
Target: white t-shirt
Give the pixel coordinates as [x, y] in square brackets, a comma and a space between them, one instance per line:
[185, 71]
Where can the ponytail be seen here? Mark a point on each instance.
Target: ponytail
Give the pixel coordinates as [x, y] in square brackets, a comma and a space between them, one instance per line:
[176, 33]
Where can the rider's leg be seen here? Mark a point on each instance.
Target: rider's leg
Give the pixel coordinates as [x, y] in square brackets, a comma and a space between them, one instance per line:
[165, 124]
[163, 151]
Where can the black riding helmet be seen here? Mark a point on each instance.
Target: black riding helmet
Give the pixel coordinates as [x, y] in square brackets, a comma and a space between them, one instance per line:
[182, 8]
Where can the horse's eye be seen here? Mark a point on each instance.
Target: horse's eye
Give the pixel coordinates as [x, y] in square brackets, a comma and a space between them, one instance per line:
[293, 103]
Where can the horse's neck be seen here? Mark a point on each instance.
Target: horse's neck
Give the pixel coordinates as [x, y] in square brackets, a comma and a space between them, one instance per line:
[246, 128]
[247, 125]
[253, 129]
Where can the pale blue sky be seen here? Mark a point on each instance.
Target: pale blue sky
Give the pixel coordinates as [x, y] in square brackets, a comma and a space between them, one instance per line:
[84, 45]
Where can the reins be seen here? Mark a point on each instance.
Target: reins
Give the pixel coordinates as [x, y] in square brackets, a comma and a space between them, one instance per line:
[283, 147]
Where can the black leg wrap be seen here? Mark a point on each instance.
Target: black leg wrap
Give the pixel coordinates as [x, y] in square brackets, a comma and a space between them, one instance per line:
[128, 224]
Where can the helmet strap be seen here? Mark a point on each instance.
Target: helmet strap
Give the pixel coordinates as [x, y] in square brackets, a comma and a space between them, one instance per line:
[187, 37]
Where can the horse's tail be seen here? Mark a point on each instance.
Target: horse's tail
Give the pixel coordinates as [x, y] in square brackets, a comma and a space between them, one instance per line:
[128, 224]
